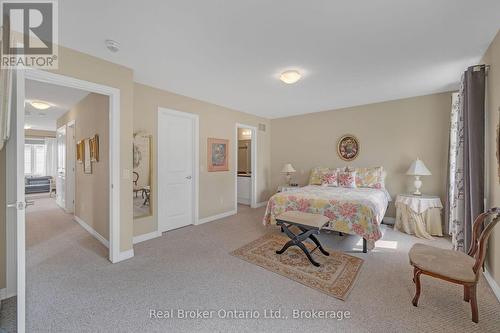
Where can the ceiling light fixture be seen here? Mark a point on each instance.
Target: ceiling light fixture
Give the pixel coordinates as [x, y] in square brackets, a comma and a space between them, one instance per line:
[40, 105]
[290, 76]
[112, 45]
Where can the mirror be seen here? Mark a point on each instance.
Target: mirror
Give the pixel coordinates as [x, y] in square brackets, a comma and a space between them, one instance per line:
[141, 175]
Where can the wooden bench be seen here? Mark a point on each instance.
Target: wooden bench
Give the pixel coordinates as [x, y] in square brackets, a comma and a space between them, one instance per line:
[309, 225]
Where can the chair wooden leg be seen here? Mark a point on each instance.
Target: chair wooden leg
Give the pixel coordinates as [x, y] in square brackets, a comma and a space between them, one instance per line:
[473, 303]
[415, 270]
[466, 293]
[417, 286]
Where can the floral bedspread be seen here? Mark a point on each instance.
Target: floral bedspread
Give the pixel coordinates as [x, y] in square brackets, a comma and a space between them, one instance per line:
[350, 210]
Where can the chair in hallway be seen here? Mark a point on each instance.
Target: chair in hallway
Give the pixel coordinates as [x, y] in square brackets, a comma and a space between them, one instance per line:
[454, 266]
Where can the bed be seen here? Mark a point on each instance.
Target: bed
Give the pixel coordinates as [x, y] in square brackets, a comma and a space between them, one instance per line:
[357, 211]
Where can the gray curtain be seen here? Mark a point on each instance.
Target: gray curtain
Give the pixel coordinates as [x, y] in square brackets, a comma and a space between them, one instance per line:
[467, 175]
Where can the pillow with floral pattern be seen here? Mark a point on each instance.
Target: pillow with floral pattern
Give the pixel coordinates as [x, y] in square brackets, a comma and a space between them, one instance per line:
[347, 179]
[329, 178]
[316, 174]
[370, 177]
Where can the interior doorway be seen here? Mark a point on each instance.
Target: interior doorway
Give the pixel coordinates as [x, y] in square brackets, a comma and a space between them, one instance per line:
[246, 166]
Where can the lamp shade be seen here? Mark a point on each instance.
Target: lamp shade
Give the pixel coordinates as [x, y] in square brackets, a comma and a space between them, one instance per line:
[418, 168]
[287, 168]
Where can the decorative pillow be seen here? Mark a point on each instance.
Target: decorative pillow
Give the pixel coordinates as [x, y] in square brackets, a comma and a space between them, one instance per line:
[329, 178]
[370, 177]
[347, 179]
[316, 174]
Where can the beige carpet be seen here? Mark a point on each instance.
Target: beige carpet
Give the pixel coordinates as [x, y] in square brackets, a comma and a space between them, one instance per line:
[72, 287]
[335, 276]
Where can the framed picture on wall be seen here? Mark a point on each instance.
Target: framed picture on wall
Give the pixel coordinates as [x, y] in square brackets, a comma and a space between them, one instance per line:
[80, 151]
[348, 147]
[94, 148]
[218, 150]
[87, 164]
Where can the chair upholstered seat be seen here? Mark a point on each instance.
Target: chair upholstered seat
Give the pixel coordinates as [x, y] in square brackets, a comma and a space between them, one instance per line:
[448, 263]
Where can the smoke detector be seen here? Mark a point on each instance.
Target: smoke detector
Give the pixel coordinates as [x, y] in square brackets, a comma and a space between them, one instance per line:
[112, 45]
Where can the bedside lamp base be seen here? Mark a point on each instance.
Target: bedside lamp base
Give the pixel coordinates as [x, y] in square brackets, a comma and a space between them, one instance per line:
[418, 184]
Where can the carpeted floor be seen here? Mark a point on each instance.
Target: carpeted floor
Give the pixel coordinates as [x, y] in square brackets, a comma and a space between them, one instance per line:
[73, 288]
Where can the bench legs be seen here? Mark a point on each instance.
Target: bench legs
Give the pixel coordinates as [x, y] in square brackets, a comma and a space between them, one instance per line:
[298, 239]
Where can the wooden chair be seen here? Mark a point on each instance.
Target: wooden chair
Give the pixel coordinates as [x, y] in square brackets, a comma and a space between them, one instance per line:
[454, 266]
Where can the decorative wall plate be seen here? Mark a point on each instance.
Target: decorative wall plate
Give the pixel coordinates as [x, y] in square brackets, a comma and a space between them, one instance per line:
[348, 147]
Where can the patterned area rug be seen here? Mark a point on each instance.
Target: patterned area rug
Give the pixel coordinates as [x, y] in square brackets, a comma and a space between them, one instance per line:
[335, 276]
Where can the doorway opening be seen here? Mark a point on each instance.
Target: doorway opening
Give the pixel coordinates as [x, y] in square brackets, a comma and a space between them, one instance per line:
[246, 166]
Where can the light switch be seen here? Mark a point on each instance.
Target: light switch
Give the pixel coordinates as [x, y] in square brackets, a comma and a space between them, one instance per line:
[126, 174]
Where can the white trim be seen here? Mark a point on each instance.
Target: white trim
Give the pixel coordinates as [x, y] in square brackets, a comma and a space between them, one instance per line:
[146, 237]
[196, 158]
[4, 294]
[125, 255]
[253, 196]
[493, 284]
[91, 231]
[217, 217]
[261, 204]
[114, 147]
[71, 168]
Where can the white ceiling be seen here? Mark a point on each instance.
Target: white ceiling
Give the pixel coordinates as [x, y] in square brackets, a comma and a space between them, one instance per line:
[61, 98]
[230, 52]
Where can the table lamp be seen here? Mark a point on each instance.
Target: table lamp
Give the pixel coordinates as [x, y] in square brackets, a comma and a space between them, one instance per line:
[288, 170]
[417, 169]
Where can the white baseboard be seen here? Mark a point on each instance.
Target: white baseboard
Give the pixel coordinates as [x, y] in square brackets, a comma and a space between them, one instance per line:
[244, 201]
[216, 217]
[91, 231]
[146, 237]
[124, 255]
[4, 294]
[493, 284]
[261, 204]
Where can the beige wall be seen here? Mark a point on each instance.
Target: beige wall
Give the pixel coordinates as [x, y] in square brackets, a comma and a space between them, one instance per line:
[91, 116]
[217, 193]
[391, 134]
[492, 57]
[39, 133]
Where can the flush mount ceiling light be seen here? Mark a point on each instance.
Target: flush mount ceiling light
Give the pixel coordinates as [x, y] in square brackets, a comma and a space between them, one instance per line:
[290, 76]
[112, 45]
[40, 105]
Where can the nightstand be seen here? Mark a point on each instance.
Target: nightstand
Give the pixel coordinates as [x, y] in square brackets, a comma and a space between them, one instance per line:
[419, 215]
[286, 188]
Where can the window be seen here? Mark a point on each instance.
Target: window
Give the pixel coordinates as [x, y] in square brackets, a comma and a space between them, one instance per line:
[34, 159]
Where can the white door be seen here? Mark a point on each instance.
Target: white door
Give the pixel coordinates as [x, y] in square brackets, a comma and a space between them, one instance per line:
[70, 167]
[61, 167]
[176, 176]
[15, 198]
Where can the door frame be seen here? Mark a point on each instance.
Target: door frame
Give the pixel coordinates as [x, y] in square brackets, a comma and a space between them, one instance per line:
[196, 161]
[115, 255]
[59, 130]
[70, 167]
[253, 178]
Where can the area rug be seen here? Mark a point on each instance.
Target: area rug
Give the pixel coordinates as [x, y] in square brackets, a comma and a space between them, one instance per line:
[335, 276]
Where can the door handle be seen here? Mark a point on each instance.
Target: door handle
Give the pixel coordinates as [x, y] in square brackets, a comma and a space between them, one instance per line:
[188, 177]
[29, 203]
[17, 205]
